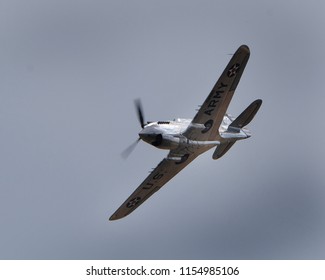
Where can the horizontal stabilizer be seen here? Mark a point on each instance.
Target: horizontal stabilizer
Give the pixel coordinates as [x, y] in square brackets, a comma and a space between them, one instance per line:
[246, 116]
[222, 149]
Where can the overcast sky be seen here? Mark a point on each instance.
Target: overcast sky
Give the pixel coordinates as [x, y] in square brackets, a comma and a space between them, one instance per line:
[69, 72]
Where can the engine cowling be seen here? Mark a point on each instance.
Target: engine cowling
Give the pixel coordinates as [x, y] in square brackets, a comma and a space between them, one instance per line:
[167, 142]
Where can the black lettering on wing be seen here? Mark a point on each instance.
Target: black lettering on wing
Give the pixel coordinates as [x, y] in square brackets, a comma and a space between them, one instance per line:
[158, 176]
[148, 186]
[208, 112]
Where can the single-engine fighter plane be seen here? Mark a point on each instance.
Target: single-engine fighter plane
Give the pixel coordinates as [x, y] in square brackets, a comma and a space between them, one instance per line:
[186, 139]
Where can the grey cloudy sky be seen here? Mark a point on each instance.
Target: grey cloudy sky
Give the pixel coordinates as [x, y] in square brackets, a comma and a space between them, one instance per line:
[69, 72]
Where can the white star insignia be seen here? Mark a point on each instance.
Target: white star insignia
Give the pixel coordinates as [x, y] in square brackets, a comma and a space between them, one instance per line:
[233, 70]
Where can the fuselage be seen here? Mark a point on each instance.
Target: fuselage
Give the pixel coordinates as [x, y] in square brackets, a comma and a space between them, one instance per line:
[169, 134]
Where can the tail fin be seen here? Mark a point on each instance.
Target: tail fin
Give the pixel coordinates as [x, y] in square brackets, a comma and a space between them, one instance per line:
[246, 116]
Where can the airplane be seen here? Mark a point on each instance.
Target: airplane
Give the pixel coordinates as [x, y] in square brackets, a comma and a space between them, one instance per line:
[186, 139]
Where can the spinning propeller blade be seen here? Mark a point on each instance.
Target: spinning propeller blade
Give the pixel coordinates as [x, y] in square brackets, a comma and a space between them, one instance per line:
[125, 154]
[139, 112]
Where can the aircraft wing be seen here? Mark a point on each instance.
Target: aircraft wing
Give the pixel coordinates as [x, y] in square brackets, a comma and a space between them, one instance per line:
[214, 107]
[166, 170]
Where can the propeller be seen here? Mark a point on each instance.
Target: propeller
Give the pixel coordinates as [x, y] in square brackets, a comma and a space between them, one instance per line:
[125, 154]
[138, 106]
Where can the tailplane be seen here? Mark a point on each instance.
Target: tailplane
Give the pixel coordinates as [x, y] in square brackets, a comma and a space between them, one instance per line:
[246, 116]
[222, 149]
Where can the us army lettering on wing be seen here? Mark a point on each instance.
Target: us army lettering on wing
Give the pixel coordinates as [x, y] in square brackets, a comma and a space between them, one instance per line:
[215, 99]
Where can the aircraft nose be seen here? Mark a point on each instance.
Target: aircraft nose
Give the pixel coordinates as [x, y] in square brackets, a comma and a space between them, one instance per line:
[147, 137]
[142, 135]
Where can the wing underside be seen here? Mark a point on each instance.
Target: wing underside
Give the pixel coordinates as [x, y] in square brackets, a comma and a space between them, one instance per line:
[165, 171]
[214, 107]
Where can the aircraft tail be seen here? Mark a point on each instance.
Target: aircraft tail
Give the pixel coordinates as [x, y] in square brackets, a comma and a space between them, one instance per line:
[246, 116]
[242, 120]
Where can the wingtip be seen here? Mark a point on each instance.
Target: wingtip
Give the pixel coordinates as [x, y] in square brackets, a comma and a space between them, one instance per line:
[258, 102]
[112, 218]
[243, 50]
[115, 217]
[244, 47]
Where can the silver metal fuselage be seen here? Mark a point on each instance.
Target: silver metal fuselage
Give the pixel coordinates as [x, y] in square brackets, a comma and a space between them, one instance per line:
[169, 134]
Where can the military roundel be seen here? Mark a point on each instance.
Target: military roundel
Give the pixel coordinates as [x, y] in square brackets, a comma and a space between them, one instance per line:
[133, 202]
[233, 70]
